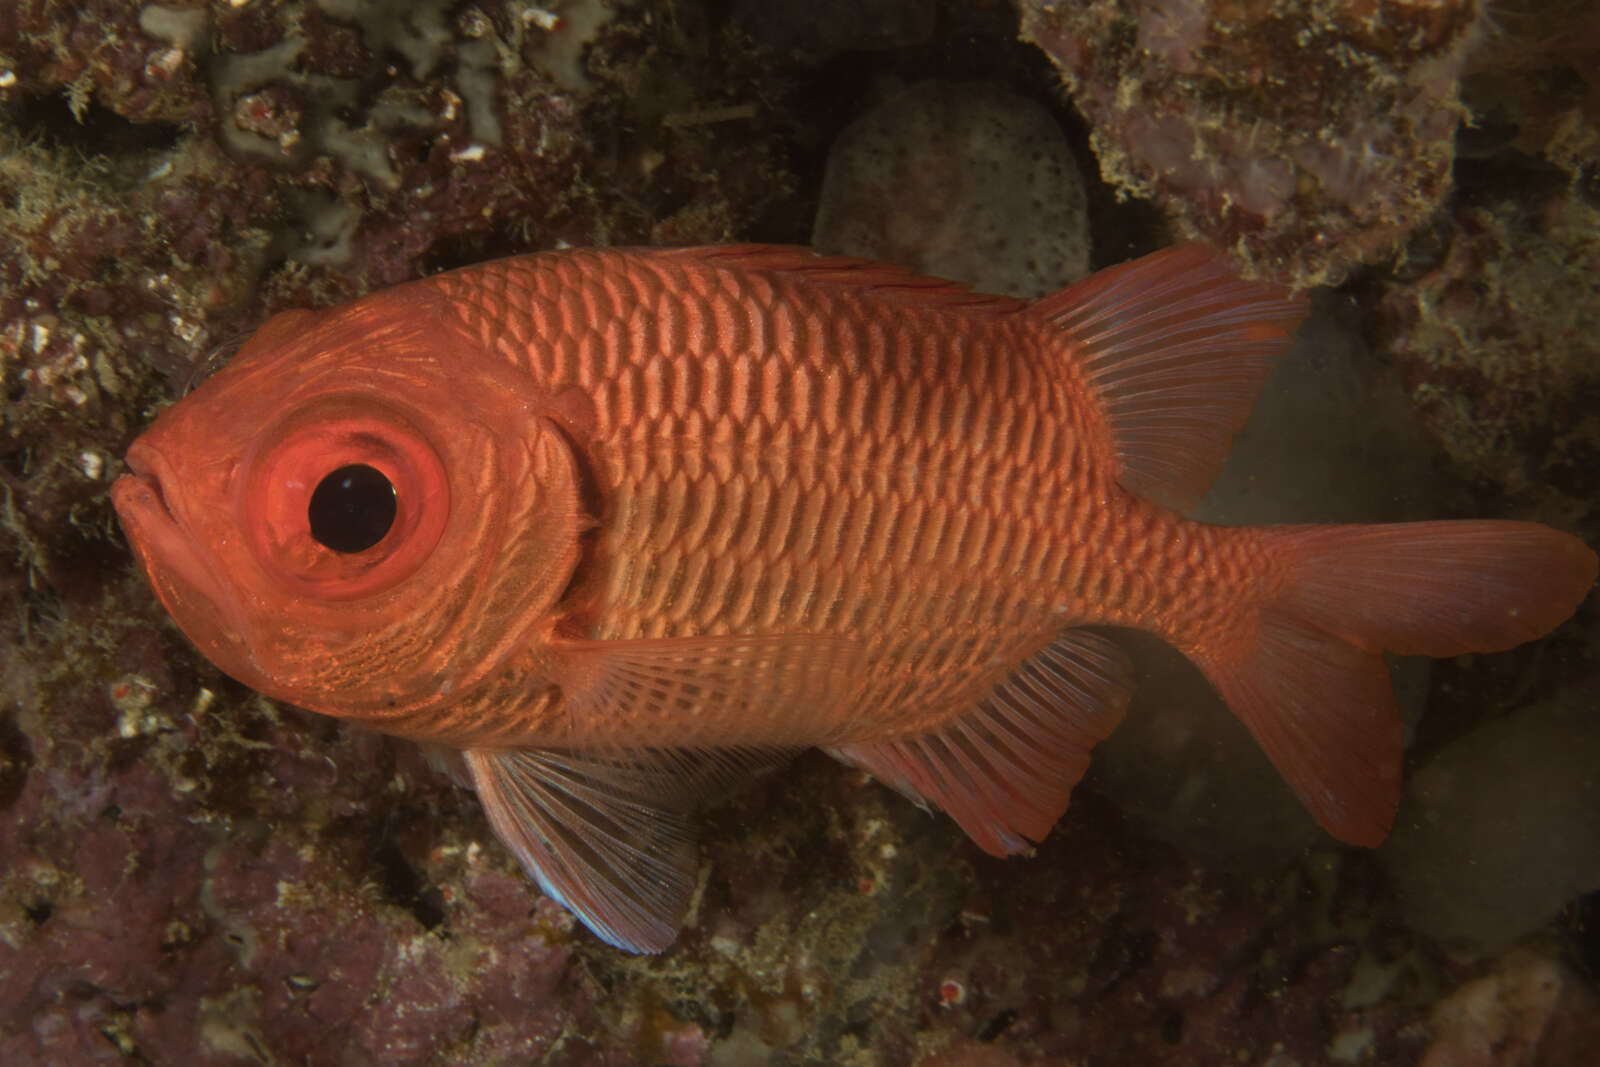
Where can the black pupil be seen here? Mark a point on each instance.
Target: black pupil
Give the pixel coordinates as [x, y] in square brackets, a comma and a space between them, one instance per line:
[352, 508]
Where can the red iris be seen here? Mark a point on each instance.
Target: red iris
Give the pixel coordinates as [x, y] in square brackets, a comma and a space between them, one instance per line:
[285, 473]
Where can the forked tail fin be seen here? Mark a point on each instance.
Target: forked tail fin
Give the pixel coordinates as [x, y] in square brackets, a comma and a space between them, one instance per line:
[1310, 682]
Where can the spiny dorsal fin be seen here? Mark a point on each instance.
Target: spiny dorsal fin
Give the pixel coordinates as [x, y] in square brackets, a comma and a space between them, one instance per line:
[1177, 346]
[1005, 771]
[884, 279]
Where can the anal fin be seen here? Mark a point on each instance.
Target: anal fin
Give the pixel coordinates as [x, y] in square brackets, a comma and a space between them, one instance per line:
[1005, 770]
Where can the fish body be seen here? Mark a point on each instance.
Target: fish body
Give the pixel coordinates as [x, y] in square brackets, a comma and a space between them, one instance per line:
[614, 524]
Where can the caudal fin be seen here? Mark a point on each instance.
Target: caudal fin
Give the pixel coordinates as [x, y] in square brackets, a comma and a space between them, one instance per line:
[1311, 683]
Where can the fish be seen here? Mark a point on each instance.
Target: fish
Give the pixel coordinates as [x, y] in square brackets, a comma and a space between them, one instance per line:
[607, 530]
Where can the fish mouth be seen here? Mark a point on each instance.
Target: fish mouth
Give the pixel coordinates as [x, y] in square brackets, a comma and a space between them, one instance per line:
[141, 503]
[142, 461]
[179, 568]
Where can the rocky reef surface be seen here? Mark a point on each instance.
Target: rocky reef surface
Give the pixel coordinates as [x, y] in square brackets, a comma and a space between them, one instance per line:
[191, 874]
[1308, 135]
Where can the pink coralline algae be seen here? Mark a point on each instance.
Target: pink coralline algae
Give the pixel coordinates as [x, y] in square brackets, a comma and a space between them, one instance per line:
[1309, 137]
[153, 924]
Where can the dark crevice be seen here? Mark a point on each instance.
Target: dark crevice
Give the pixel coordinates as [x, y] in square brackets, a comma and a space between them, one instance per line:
[95, 131]
[1583, 929]
[995, 1027]
[16, 759]
[406, 889]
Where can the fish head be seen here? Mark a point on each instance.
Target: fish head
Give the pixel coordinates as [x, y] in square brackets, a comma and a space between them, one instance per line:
[364, 513]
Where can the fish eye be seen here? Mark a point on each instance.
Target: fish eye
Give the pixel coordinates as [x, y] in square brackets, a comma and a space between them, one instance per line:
[344, 498]
[352, 509]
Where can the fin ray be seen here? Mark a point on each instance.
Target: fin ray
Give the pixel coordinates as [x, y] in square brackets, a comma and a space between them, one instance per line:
[1310, 681]
[1005, 770]
[606, 836]
[1323, 710]
[1480, 585]
[1177, 346]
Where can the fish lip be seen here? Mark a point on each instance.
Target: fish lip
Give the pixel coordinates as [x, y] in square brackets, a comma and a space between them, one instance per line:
[163, 542]
[140, 498]
[142, 461]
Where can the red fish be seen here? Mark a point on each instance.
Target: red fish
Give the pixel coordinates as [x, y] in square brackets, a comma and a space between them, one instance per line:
[614, 524]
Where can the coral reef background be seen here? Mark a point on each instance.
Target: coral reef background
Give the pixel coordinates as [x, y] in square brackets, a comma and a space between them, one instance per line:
[191, 874]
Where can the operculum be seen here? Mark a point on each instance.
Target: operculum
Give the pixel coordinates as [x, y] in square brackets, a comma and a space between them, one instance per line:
[524, 553]
[531, 549]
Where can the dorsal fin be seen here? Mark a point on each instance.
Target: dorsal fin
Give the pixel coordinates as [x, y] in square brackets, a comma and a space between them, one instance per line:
[884, 279]
[1177, 346]
[1005, 770]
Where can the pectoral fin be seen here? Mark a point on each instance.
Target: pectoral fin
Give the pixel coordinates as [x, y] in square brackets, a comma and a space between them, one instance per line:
[605, 835]
[1005, 770]
[717, 690]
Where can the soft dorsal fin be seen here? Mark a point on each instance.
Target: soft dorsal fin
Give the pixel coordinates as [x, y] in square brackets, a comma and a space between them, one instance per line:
[884, 279]
[1005, 771]
[1177, 346]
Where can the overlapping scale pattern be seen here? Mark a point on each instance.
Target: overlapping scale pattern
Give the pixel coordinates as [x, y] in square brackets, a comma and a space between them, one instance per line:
[779, 453]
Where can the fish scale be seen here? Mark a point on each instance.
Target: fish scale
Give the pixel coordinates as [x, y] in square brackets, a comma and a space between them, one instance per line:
[627, 523]
[925, 391]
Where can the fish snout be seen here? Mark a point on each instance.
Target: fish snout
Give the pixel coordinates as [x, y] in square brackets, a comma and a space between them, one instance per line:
[140, 490]
[180, 570]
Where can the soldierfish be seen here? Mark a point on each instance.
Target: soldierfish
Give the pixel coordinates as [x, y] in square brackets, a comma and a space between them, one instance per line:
[614, 524]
